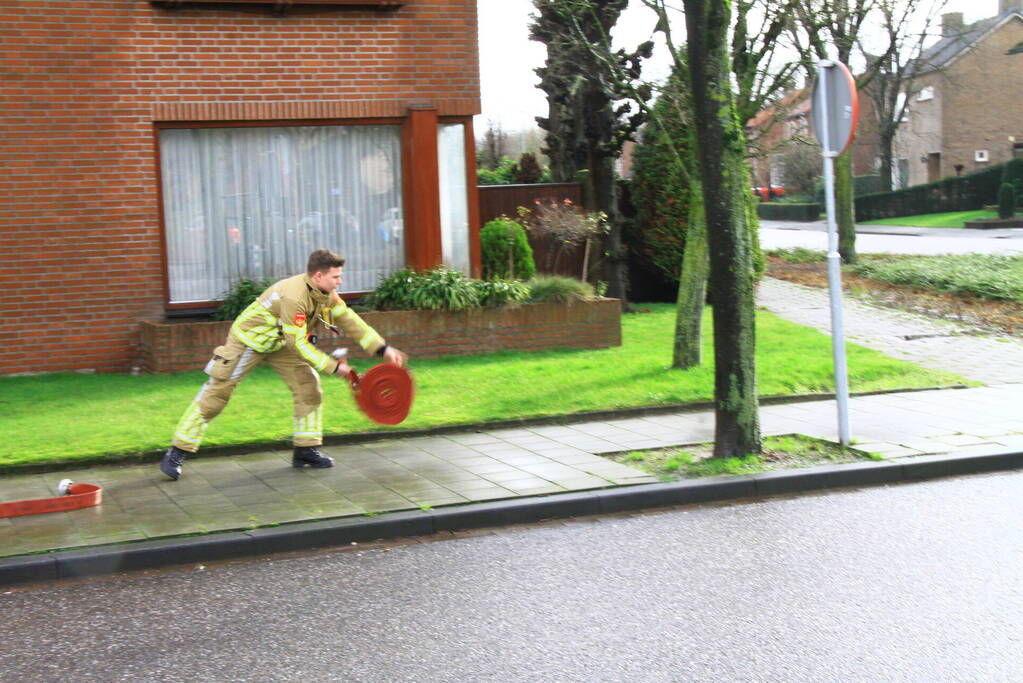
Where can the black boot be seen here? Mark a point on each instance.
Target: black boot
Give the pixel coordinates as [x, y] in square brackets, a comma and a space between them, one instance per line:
[310, 456]
[171, 463]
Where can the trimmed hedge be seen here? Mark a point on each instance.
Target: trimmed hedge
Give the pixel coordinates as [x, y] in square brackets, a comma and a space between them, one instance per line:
[862, 184]
[783, 211]
[969, 192]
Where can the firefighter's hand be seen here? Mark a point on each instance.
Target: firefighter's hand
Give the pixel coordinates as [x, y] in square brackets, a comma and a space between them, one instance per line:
[343, 370]
[393, 355]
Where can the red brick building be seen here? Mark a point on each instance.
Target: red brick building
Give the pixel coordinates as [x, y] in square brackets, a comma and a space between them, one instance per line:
[773, 129]
[155, 152]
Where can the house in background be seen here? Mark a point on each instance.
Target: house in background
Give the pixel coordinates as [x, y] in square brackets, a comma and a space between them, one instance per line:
[157, 152]
[776, 128]
[966, 103]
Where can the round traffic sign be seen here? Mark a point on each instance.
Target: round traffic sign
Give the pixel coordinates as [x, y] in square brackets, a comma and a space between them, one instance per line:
[835, 107]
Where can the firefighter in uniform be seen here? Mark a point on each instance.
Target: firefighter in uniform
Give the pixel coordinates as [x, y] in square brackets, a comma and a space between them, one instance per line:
[275, 330]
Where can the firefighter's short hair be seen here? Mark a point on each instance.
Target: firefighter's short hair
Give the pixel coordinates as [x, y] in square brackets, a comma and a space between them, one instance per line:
[322, 260]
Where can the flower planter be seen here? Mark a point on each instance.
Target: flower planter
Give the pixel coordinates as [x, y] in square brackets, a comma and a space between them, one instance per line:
[172, 346]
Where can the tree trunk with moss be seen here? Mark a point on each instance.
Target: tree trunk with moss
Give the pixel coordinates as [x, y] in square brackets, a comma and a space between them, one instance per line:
[721, 147]
[845, 210]
[692, 286]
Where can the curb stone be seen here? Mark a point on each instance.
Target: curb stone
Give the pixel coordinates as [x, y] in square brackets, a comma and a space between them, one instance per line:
[167, 552]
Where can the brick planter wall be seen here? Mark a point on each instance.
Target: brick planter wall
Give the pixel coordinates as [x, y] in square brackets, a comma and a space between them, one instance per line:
[181, 345]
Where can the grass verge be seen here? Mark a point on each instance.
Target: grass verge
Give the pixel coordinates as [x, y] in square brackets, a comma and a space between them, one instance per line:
[790, 451]
[61, 418]
[987, 276]
[952, 219]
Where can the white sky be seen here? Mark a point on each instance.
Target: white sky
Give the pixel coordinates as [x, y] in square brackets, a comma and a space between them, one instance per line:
[508, 57]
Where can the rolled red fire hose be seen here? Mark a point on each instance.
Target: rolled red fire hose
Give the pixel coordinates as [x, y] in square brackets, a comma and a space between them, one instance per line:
[384, 393]
[78, 496]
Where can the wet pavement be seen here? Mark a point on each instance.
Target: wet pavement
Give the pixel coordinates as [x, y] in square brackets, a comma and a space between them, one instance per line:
[262, 489]
[915, 582]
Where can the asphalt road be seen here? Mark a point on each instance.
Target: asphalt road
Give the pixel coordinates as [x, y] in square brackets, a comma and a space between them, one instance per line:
[874, 239]
[916, 582]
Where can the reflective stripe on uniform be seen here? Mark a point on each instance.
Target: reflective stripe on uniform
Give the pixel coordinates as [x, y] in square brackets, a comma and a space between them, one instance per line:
[264, 336]
[311, 425]
[192, 426]
[247, 358]
[368, 337]
[309, 353]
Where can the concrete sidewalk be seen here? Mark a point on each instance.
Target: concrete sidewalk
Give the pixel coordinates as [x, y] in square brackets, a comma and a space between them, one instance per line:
[497, 475]
[419, 473]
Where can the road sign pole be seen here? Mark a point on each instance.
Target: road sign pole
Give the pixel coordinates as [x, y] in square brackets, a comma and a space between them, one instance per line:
[834, 264]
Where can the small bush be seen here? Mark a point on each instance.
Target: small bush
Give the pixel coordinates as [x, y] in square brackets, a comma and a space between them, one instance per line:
[1012, 173]
[238, 298]
[505, 251]
[563, 225]
[527, 170]
[501, 292]
[559, 289]
[439, 289]
[1006, 201]
[502, 174]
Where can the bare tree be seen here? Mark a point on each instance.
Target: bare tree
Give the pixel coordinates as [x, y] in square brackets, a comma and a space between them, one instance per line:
[906, 26]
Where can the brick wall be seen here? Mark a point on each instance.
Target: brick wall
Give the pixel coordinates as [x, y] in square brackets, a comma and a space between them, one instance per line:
[84, 81]
[175, 346]
[982, 102]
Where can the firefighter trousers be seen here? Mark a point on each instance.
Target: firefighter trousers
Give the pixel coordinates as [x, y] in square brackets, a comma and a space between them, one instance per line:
[228, 367]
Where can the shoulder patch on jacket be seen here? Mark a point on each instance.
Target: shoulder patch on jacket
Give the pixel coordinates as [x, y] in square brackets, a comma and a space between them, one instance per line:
[300, 319]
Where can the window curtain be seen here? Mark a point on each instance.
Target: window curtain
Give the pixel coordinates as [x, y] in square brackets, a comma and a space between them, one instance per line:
[454, 198]
[254, 202]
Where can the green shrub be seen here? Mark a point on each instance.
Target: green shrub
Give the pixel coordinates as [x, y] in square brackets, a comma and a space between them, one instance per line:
[1012, 173]
[1006, 201]
[660, 194]
[438, 289]
[559, 289]
[503, 174]
[238, 298]
[969, 192]
[777, 211]
[494, 293]
[527, 170]
[505, 251]
[862, 184]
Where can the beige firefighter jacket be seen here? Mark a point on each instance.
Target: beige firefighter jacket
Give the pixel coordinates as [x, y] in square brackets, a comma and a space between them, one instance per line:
[284, 315]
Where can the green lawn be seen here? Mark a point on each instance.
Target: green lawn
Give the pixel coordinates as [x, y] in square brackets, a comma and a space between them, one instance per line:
[954, 219]
[988, 276]
[66, 417]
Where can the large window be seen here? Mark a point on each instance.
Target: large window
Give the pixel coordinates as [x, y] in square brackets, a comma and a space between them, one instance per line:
[454, 201]
[253, 202]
